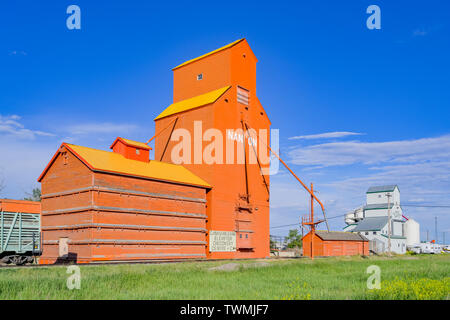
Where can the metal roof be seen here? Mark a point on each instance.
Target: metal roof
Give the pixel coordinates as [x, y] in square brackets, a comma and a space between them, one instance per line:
[339, 235]
[394, 236]
[209, 53]
[191, 103]
[387, 188]
[24, 206]
[375, 206]
[371, 224]
[131, 143]
[105, 161]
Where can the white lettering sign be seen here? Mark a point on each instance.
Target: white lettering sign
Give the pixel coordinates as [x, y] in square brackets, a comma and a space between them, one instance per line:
[222, 241]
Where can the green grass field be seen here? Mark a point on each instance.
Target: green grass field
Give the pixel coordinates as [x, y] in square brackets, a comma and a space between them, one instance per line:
[406, 277]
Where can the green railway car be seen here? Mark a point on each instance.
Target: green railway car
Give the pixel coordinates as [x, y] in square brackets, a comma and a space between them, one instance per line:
[20, 237]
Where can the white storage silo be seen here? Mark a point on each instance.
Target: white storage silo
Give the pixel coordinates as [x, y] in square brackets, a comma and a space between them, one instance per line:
[359, 214]
[412, 232]
[350, 218]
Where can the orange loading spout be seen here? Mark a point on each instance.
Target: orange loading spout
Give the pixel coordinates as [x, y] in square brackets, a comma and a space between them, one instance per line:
[309, 221]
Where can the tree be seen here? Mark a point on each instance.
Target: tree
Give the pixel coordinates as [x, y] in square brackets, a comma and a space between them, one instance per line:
[35, 195]
[294, 239]
[273, 244]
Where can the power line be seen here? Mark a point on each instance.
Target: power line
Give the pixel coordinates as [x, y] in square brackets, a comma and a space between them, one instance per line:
[298, 223]
[286, 225]
[342, 215]
[339, 216]
[425, 206]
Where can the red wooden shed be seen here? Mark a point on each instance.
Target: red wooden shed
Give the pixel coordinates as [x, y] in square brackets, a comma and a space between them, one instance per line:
[335, 243]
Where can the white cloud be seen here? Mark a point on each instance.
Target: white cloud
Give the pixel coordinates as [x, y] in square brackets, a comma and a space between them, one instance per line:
[15, 53]
[287, 188]
[353, 152]
[421, 168]
[420, 183]
[24, 154]
[29, 150]
[99, 128]
[10, 126]
[326, 135]
[22, 164]
[419, 33]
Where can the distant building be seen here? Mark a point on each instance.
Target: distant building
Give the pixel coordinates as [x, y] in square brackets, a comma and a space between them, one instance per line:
[371, 220]
[412, 232]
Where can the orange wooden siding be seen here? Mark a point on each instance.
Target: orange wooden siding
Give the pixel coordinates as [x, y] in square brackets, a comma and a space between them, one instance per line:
[227, 208]
[328, 248]
[113, 217]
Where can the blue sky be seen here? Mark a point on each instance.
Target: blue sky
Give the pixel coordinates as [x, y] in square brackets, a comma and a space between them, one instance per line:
[320, 71]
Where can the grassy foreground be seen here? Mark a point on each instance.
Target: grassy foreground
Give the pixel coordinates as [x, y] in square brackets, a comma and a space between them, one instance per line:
[406, 277]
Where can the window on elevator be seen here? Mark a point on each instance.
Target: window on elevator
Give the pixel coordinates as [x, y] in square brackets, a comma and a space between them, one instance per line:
[243, 96]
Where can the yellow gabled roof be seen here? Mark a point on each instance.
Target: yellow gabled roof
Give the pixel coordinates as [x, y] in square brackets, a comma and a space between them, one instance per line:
[132, 143]
[192, 103]
[99, 160]
[210, 53]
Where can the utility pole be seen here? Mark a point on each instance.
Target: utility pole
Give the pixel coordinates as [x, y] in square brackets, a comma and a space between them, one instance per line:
[311, 222]
[427, 236]
[443, 236]
[435, 228]
[388, 195]
[302, 230]
[313, 227]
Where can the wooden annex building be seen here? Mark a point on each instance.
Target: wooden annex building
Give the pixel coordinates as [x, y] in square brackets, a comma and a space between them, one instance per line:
[99, 205]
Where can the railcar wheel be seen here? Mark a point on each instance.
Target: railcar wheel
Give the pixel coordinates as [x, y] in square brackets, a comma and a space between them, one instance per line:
[19, 260]
[6, 260]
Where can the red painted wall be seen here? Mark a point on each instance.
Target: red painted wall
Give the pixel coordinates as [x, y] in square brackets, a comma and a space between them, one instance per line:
[109, 217]
[331, 248]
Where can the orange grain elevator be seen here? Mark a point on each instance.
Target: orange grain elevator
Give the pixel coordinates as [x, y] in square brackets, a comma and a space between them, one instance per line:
[115, 206]
[214, 103]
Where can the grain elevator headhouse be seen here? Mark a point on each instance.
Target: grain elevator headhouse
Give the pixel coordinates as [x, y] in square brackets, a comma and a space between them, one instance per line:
[217, 128]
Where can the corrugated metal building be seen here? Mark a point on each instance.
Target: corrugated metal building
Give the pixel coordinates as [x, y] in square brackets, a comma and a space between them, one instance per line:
[335, 243]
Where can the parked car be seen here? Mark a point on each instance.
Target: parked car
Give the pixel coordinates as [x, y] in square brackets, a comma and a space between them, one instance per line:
[414, 248]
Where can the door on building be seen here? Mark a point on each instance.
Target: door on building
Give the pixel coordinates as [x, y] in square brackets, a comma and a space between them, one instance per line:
[63, 247]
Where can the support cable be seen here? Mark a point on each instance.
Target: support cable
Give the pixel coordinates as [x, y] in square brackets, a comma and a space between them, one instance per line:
[259, 164]
[298, 179]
